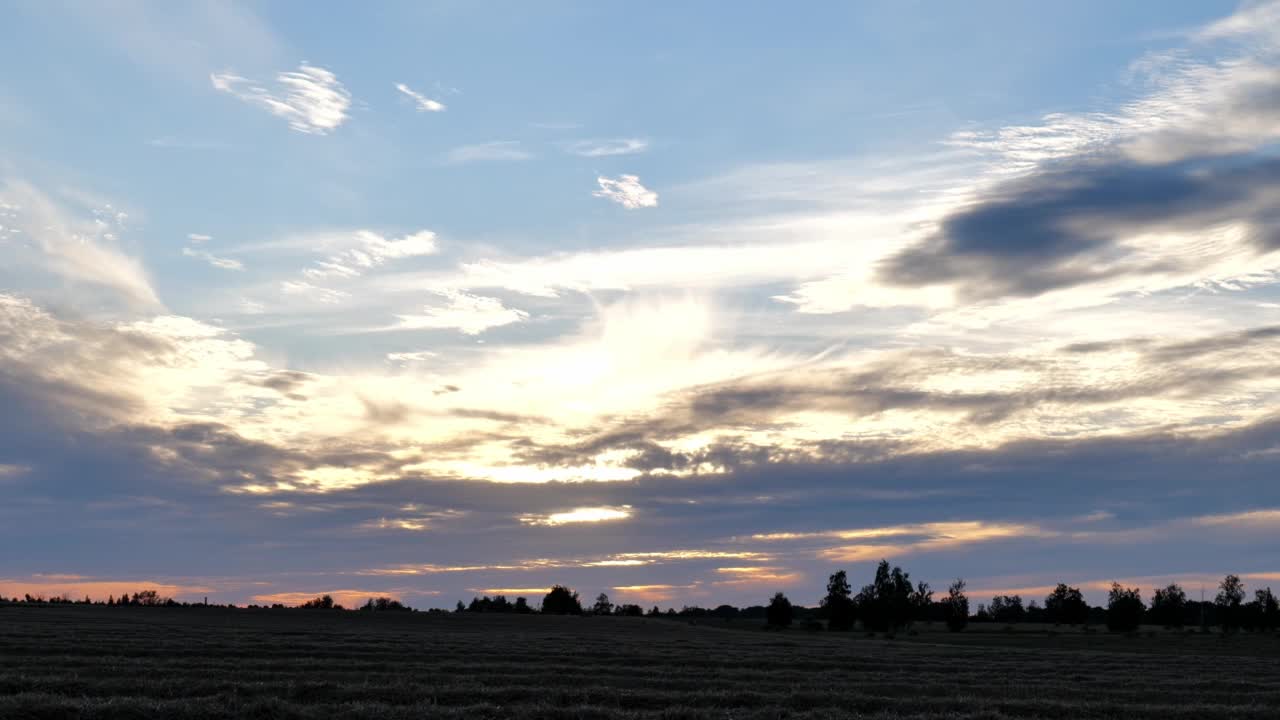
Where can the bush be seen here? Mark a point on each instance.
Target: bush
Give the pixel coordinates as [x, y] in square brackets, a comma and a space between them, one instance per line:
[561, 601]
[779, 612]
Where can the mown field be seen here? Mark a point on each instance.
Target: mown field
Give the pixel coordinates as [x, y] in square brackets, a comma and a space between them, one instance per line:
[85, 662]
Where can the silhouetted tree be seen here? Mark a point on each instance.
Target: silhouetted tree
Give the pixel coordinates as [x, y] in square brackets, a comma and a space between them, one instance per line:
[324, 602]
[521, 606]
[921, 598]
[838, 604]
[561, 601]
[1124, 608]
[1169, 606]
[384, 604]
[725, 612]
[1066, 606]
[1007, 609]
[602, 606]
[780, 611]
[654, 612]
[1268, 609]
[148, 598]
[957, 606]
[1230, 597]
[885, 605]
[628, 610]
[460, 607]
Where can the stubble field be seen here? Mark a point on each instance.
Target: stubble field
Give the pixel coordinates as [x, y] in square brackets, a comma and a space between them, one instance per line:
[84, 662]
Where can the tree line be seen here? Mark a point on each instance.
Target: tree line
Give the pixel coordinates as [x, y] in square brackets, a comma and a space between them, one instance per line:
[888, 604]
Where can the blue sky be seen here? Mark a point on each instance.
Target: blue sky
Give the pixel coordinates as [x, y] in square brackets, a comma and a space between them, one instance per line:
[682, 304]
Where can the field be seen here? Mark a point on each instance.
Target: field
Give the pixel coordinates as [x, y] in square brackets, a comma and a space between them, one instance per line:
[86, 662]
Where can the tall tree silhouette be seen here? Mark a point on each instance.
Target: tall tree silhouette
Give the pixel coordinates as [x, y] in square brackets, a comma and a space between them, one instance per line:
[838, 603]
[602, 606]
[1229, 599]
[885, 604]
[1169, 606]
[957, 606]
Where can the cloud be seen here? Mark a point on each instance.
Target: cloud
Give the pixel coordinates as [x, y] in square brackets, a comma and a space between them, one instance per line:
[405, 358]
[1092, 221]
[579, 515]
[369, 250]
[80, 247]
[495, 151]
[607, 148]
[471, 314]
[218, 262]
[311, 99]
[423, 103]
[306, 289]
[199, 237]
[627, 191]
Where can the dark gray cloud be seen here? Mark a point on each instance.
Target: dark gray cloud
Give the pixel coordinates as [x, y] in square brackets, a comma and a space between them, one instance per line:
[1059, 226]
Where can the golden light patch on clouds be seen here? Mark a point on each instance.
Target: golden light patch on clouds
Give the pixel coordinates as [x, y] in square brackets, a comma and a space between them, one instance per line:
[8, 470]
[617, 563]
[925, 537]
[579, 515]
[757, 575]
[1252, 519]
[652, 593]
[694, 555]
[77, 587]
[1036, 588]
[410, 524]
[602, 471]
[348, 598]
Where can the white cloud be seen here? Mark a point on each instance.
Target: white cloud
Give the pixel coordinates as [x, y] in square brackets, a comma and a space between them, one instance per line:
[496, 151]
[579, 515]
[471, 314]
[83, 249]
[198, 237]
[369, 250]
[408, 358]
[1194, 105]
[627, 191]
[424, 103]
[214, 260]
[607, 148]
[306, 289]
[310, 98]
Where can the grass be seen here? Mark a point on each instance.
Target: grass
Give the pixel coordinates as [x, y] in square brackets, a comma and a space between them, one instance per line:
[85, 662]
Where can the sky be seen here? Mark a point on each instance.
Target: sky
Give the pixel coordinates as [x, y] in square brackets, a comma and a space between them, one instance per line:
[683, 305]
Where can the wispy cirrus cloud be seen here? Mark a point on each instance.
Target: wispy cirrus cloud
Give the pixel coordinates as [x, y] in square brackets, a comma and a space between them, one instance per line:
[368, 250]
[607, 148]
[310, 98]
[214, 260]
[420, 101]
[467, 313]
[81, 245]
[314, 292]
[494, 151]
[627, 191]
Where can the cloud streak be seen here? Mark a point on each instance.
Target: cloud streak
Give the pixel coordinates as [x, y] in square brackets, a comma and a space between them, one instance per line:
[310, 98]
[421, 102]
